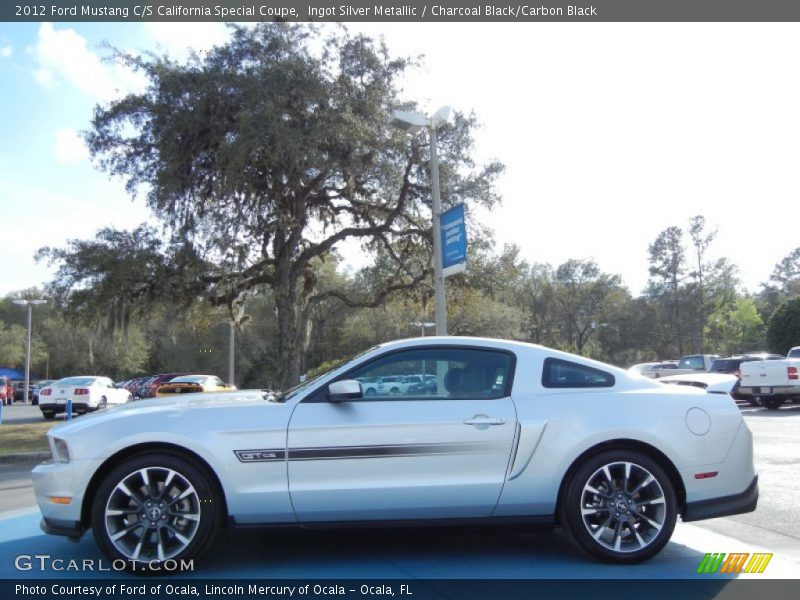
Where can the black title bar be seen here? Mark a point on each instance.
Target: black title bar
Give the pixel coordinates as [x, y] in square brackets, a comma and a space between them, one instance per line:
[401, 10]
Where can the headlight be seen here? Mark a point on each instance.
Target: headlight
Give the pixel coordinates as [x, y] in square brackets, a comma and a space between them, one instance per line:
[60, 450]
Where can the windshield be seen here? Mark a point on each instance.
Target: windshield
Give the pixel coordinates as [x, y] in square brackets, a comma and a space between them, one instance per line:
[189, 379]
[75, 381]
[293, 391]
[692, 362]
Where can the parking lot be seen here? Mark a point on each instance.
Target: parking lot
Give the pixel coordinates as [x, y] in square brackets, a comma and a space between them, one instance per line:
[444, 554]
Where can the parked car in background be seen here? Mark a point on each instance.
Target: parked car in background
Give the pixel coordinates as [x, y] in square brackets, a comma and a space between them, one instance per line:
[772, 382]
[654, 370]
[87, 393]
[513, 432]
[148, 386]
[6, 390]
[732, 364]
[38, 387]
[189, 384]
[19, 391]
[695, 362]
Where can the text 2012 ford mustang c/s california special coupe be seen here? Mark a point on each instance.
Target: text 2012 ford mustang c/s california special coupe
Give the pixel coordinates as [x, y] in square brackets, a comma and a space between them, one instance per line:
[509, 433]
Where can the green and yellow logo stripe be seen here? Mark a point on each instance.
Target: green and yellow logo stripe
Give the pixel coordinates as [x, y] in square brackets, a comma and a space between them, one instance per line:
[735, 562]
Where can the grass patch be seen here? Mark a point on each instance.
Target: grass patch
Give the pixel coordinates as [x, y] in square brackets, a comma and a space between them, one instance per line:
[25, 437]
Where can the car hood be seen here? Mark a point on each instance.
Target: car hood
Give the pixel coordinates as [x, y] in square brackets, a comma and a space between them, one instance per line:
[156, 406]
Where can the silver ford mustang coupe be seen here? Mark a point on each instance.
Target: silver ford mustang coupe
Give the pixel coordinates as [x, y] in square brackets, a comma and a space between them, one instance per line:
[505, 433]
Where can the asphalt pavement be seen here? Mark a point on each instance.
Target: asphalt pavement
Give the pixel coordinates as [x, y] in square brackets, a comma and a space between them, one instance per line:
[442, 554]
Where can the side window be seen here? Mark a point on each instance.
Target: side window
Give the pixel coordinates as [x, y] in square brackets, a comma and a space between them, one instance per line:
[436, 373]
[559, 373]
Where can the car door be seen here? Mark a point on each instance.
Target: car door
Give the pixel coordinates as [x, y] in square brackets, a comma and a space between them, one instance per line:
[439, 453]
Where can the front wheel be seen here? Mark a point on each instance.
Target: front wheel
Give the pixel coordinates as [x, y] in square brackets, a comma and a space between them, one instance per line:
[619, 506]
[153, 508]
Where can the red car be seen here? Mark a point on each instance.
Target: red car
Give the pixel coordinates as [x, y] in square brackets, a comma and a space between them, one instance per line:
[6, 390]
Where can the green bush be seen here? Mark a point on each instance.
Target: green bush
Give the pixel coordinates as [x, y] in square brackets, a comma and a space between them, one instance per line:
[783, 330]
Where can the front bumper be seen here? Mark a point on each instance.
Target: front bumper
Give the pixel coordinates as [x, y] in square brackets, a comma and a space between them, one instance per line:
[57, 479]
[735, 504]
[71, 529]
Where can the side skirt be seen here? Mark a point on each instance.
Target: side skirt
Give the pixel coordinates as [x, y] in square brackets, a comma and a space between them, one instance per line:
[537, 522]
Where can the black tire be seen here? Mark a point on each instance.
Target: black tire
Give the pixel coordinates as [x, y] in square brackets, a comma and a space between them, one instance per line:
[772, 403]
[370, 392]
[642, 521]
[754, 401]
[48, 414]
[160, 529]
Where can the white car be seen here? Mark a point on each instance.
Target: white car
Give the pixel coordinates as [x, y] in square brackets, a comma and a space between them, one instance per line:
[87, 393]
[512, 433]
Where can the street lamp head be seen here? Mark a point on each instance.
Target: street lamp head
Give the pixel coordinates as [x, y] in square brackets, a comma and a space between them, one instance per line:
[443, 116]
[410, 122]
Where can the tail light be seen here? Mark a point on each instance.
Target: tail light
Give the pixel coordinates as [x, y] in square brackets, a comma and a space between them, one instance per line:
[81, 391]
[792, 372]
[46, 392]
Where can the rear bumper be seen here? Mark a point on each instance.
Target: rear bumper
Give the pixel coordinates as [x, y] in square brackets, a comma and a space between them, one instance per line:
[777, 391]
[60, 408]
[743, 502]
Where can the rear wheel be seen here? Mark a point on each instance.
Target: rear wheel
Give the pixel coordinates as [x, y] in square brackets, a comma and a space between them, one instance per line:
[155, 507]
[619, 506]
[48, 414]
[754, 400]
[771, 403]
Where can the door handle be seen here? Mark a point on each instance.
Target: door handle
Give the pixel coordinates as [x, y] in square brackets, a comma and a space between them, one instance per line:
[484, 420]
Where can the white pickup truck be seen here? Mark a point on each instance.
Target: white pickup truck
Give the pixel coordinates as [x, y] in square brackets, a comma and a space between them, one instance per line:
[772, 382]
[693, 363]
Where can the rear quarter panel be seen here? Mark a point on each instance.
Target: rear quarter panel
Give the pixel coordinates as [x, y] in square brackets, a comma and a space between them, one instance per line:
[558, 425]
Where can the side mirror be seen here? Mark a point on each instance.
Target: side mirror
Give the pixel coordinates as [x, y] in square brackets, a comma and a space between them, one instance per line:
[342, 391]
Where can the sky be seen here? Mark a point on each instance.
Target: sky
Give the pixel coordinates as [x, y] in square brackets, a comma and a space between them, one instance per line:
[610, 133]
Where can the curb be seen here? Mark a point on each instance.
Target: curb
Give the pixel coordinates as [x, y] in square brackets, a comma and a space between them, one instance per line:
[23, 457]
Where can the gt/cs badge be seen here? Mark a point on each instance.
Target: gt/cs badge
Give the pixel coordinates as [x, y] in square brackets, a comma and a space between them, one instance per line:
[259, 455]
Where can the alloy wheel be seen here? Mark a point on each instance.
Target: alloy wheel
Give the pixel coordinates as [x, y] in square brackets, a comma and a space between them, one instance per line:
[623, 507]
[152, 514]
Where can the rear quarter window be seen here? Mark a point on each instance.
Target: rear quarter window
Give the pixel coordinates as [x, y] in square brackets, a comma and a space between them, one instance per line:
[558, 373]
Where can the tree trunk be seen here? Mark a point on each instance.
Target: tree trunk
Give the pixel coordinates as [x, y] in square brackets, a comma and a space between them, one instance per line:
[289, 359]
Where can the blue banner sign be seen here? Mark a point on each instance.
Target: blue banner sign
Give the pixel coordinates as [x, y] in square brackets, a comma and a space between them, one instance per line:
[454, 241]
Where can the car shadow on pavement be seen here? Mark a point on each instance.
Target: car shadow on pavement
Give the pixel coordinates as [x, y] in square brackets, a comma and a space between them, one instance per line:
[419, 554]
[787, 410]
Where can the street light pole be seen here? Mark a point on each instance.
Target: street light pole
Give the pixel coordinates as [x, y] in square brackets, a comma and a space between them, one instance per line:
[411, 122]
[422, 325]
[231, 355]
[436, 207]
[29, 304]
